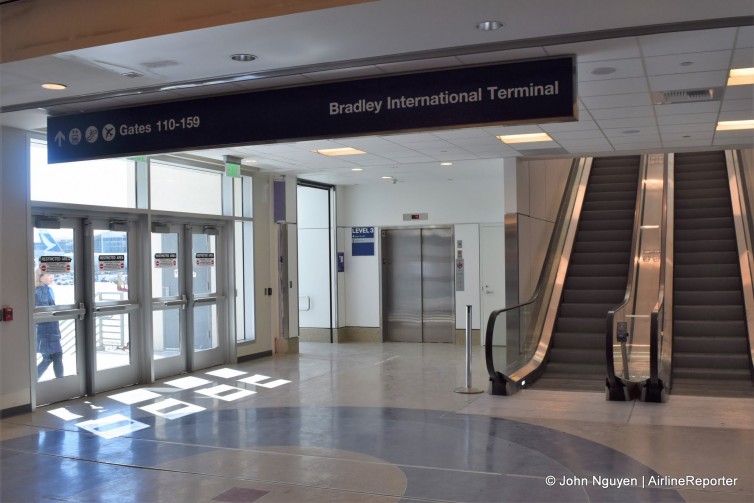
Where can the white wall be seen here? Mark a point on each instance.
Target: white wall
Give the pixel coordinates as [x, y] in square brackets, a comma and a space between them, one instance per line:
[462, 204]
[15, 292]
[314, 257]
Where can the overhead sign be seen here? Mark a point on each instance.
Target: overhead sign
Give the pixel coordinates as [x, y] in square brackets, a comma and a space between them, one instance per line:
[541, 90]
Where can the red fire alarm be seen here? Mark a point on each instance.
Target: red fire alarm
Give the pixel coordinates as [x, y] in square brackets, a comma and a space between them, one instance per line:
[7, 314]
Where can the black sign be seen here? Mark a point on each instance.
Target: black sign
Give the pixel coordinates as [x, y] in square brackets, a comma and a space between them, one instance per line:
[518, 92]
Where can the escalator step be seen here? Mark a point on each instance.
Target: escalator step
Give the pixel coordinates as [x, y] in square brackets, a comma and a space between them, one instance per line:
[708, 298]
[611, 283]
[709, 329]
[569, 340]
[708, 313]
[716, 202]
[575, 370]
[622, 187]
[609, 205]
[707, 271]
[578, 356]
[683, 344]
[580, 325]
[606, 225]
[600, 247]
[598, 270]
[569, 310]
[614, 196]
[699, 258]
[704, 234]
[613, 297]
[706, 284]
[684, 213]
[704, 245]
[684, 176]
[600, 258]
[712, 374]
[600, 178]
[610, 235]
[587, 216]
[701, 194]
[714, 183]
[705, 223]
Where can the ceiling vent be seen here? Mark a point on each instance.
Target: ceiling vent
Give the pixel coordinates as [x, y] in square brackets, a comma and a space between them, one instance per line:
[685, 96]
[132, 75]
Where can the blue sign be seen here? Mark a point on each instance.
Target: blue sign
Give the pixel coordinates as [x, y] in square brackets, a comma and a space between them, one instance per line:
[341, 262]
[362, 241]
[540, 90]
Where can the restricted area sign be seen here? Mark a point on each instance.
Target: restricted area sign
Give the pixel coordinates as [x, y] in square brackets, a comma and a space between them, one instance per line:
[165, 260]
[204, 259]
[111, 262]
[54, 264]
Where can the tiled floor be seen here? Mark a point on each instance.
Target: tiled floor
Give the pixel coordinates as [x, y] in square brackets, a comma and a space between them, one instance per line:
[372, 423]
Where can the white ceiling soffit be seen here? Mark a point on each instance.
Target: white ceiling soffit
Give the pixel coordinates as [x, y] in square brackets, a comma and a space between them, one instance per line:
[624, 54]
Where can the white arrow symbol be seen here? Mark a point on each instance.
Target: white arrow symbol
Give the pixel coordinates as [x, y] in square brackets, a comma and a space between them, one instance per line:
[60, 138]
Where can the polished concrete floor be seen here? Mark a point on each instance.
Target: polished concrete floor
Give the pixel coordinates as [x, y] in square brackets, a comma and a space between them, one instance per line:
[373, 423]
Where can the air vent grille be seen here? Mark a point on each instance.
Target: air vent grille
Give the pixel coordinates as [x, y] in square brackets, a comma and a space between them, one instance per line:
[685, 96]
[132, 75]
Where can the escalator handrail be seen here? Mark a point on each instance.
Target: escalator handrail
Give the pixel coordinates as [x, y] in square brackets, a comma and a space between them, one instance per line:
[655, 328]
[632, 270]
[560, 224]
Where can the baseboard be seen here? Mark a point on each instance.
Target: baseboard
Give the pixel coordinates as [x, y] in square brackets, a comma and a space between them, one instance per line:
[15, 411]
[255, 356]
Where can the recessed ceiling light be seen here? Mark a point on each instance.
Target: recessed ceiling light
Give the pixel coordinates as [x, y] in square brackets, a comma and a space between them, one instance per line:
[741, 76]
[248, 160]
[524, 138]
[446, 164]
[735, 125]
[687, 63]
[489, 25]
[630, 131]
[387, 177]
[603, 70]
[357, 169]
[339, 151]
[54, 87]
[243, 58]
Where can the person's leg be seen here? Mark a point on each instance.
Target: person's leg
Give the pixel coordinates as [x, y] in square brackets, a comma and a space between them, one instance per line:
[43, 365]
[57, 363]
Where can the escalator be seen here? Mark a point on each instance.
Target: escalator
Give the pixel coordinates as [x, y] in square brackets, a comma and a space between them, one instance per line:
[562, 330]
[596, 278]
[710, 344]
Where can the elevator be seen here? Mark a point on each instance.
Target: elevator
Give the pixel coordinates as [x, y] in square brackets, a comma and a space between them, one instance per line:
[418, 285]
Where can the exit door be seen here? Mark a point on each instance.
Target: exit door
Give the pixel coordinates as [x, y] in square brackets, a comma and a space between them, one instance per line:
[187, 305]
[418, 285]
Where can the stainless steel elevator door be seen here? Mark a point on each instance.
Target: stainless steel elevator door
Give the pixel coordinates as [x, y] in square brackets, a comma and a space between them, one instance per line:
[402, 286]
[418, 285]
[438, 288]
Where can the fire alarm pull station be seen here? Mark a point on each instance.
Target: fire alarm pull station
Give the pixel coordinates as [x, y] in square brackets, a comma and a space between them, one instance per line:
[7, 314]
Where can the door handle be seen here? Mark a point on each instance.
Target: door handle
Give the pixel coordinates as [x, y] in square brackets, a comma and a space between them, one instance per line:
[180, 302]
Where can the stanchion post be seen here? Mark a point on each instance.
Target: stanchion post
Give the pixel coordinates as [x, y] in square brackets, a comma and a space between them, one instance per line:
[468, 389]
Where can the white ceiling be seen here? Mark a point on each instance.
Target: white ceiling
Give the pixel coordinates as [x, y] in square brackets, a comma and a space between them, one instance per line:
[624, 54]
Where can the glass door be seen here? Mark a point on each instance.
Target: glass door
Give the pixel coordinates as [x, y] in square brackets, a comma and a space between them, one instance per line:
[59, 310]
[205, 301]
[187, 305]
[168, 301]
[115, 304]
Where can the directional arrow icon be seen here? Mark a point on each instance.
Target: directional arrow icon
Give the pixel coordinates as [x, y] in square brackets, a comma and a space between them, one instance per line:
[60, 138]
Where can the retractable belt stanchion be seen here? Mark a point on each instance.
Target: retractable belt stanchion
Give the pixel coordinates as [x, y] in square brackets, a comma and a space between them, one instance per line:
[468, 389]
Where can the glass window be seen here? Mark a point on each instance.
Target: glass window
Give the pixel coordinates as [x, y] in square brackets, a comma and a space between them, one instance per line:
[105, 182]
[174, 188]
[244, 252]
